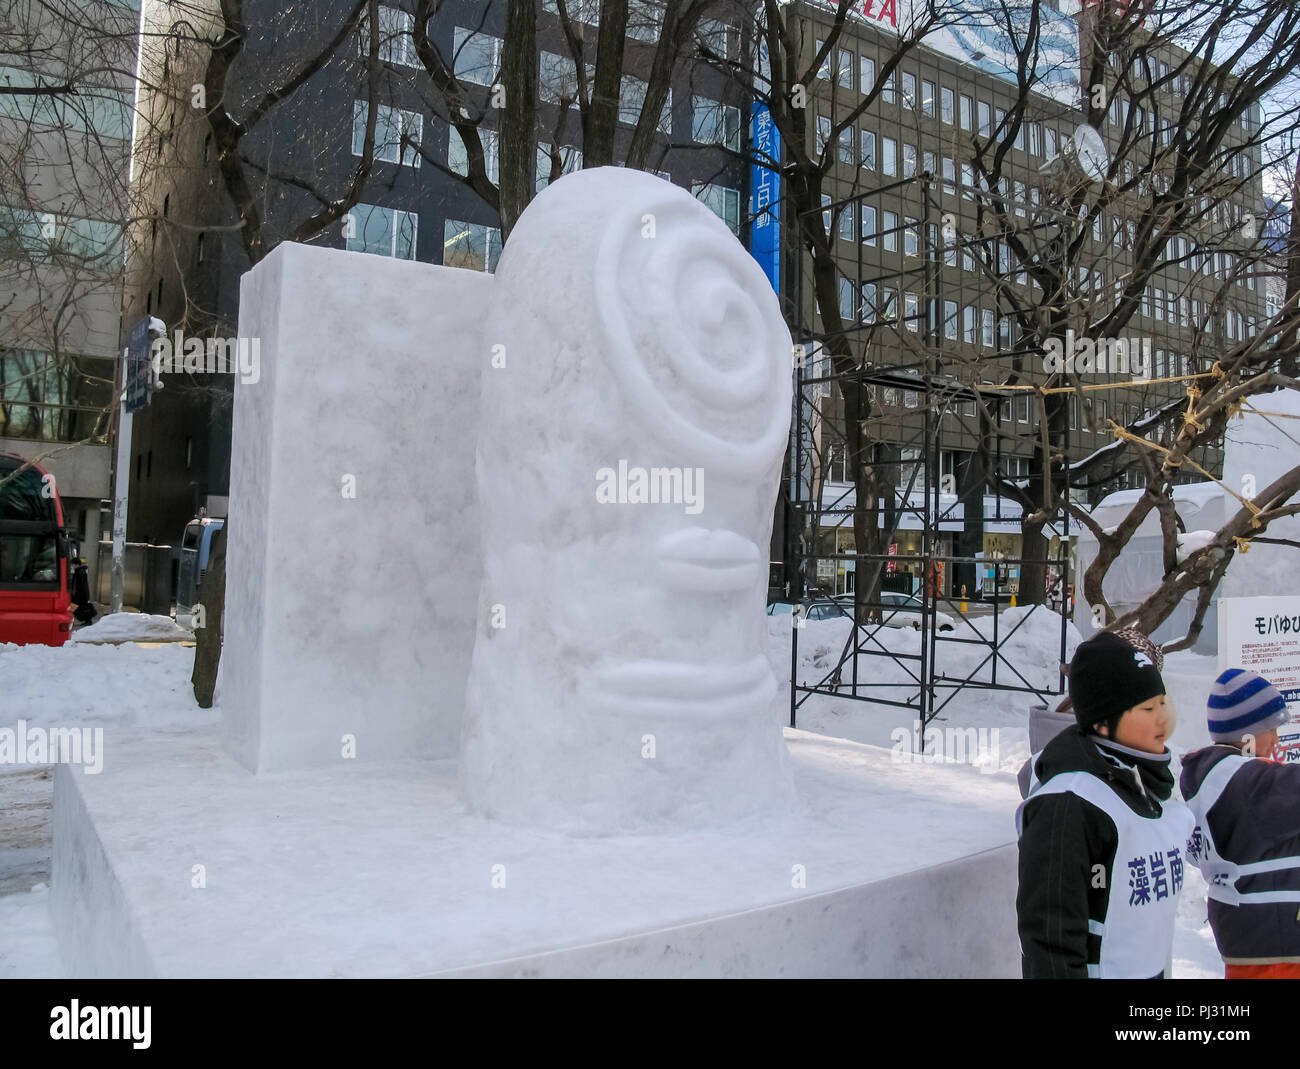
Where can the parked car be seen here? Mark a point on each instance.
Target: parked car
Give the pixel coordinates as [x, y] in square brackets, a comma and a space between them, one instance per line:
[897, 610]
[904, 610]
[823, 609]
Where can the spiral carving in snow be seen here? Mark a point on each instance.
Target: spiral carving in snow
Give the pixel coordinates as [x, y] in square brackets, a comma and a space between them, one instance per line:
[635, 412]
[699, 348]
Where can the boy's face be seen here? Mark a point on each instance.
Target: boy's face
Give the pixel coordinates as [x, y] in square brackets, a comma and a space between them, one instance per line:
[1262, 744]
[1146, 727]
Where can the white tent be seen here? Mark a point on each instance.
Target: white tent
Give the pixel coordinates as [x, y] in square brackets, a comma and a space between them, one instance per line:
[1136, 572]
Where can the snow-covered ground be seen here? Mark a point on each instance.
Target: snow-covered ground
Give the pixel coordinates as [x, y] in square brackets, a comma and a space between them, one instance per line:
[132, 627]
[137, 690]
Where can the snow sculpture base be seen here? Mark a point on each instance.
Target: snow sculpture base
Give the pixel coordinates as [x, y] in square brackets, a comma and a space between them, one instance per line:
[367, 870]
[353, 564]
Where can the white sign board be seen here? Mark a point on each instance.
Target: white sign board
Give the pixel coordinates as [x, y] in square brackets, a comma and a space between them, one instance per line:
[1262, 635]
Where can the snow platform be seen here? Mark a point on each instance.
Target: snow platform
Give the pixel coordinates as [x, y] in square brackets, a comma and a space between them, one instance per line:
[177, 861]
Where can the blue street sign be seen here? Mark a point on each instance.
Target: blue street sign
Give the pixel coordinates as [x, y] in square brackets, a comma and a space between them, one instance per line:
[765, 195]
[137, 366]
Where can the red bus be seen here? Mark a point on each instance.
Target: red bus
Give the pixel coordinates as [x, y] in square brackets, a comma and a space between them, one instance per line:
[35, 606]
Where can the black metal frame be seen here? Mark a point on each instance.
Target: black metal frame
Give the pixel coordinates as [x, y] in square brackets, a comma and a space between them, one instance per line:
[941, 397]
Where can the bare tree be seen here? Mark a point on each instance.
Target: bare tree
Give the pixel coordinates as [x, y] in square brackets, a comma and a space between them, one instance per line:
[1068, 254]
[65, 119]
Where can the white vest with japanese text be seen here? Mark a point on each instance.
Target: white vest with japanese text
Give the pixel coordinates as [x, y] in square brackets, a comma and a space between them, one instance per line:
[1137, 936]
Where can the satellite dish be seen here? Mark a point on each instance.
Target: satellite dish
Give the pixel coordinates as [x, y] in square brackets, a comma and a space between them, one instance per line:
[1087, 154]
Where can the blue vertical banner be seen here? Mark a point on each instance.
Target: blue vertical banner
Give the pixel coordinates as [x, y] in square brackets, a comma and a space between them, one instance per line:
[765, 188]
[137, 366]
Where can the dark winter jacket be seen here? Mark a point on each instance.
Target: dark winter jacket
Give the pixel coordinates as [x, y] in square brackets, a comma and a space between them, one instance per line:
[1064, 837]
[1256, 818]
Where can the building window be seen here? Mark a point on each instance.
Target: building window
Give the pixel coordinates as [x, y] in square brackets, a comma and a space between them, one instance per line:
[570, 161]
[846, 299]
[645, 23]
[458, 157]
[909, 160]
[471, 245]
[928, 102]
[909, 90]
[846, 222]
[890, 231]
[888, 303]
[869, 302]
[846, 68]
[631, 100]
[869, 226]
[911, 312]
[968, 324]
[723, 202]
[587, 11]
[866, 74]
[846, 146]
[716, 36]
[889, 92]
[889, 156]
[396, 45]
[946, 105]
[823, 133]
[557, 78]
[949, 176]
[986, 120]
[383, 231]
[397, 133]
[868, 145]
[986, 326]
[476, 56]
[950, 320]
[824, 71]
[714, 123]
[967, 108]
[909, 237]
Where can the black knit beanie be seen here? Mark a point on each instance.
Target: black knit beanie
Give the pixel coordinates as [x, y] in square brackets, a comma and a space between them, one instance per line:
[1107, 677]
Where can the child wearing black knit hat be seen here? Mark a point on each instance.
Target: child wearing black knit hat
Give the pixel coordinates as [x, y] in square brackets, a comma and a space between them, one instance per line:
[1102, 841]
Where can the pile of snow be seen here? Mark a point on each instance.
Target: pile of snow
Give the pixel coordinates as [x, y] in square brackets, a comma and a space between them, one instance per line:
[1029, 656]
[125, 686]
[132, 627]
[1191, 542]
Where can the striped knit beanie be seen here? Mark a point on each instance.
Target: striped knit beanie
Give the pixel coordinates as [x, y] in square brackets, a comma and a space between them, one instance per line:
[1242, 703]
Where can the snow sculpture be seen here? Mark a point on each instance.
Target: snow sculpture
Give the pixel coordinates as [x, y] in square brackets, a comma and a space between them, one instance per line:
[635, 409]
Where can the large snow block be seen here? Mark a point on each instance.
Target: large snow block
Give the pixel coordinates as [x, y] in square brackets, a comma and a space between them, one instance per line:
[352, 561]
